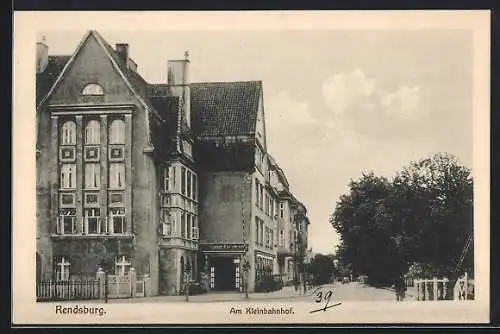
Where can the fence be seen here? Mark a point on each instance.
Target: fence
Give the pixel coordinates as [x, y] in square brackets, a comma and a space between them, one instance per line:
[439, 289]
[432, 289]
[119, 286]
[68, 290]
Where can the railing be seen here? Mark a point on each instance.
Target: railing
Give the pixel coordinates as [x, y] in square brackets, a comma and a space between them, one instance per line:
[432, 289]
[68, 290]
[118, 286]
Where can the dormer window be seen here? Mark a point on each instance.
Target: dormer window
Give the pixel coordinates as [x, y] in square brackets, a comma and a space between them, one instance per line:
[92, 89]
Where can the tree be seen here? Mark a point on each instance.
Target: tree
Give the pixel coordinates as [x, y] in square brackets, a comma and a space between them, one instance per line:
[423, 215]
[433, 206]
[321, 267]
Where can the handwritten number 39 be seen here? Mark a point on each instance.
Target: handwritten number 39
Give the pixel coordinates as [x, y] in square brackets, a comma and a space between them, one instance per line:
[326, 297]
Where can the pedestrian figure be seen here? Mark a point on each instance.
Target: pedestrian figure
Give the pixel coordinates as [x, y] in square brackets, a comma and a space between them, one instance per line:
[400, 288]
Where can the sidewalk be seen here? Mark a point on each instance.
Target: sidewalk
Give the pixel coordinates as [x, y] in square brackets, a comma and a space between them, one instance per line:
[285, 293]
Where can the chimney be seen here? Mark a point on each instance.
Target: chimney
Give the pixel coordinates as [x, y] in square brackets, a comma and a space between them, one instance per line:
[123, 52]
[179, 83]
[42, 55]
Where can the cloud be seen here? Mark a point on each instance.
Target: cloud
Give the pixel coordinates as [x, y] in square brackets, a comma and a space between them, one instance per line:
[356, 95]
[403, 102]
[283, 108]
[342, 91]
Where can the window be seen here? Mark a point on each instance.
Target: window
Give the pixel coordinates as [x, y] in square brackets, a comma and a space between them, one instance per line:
[68, 133]
[196, 231]
[272, 239]
[282, 209]
[62, 269]
[237, 277]
[92, 221]
[268, 242]
[117, 132]
[188, 149]
[257, 233]
[261, 232]
[183, 180]
[188, 225]
[261, 197]
[92, 133]
[116, 222]
[183, 225]
[66, 221]
[122, 265]
[195, 188]
[117, 176]
[166, 222]
[92, 176]
[188, 179]
[92, 89]
[164, 178]
[266, 204]
[212, 277]
[282, 238]
[173, 178]
[68, 176]
[257, 190]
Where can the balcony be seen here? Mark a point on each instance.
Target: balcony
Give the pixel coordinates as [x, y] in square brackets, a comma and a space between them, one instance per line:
[171, 238]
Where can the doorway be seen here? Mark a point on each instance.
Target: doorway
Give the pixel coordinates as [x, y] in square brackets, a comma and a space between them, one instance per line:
[223, 272]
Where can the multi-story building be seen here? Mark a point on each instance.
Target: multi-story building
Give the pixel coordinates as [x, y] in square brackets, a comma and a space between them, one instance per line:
[171, 179]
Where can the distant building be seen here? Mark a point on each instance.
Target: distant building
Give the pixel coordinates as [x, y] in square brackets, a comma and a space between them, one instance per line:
[172, 179]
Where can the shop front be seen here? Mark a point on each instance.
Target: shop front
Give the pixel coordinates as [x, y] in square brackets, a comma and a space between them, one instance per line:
[223, 266]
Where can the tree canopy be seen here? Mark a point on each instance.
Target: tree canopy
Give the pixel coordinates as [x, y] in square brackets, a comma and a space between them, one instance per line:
[422, 217]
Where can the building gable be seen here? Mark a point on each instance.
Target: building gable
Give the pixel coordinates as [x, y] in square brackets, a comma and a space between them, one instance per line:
[260, 128]
[90, 65]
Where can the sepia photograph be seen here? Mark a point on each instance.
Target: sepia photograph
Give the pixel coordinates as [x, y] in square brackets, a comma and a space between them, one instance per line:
[295, 172]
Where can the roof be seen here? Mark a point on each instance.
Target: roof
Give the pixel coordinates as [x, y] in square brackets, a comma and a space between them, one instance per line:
[218, 110]
[46, 79]
[225, 108]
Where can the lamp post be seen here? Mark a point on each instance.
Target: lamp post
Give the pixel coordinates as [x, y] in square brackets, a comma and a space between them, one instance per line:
[246, 269]
[187, 275]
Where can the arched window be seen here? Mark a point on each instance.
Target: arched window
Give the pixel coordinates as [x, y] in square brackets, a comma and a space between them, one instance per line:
[68, 133]
[117, 132]
[92, 89]
[92, 133]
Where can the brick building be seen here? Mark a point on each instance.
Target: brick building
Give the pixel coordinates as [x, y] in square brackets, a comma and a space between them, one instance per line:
[170, 179]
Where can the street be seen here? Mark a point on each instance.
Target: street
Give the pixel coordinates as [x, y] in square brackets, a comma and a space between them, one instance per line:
[340, 292]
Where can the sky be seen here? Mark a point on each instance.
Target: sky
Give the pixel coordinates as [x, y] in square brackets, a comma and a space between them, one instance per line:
[336, 103]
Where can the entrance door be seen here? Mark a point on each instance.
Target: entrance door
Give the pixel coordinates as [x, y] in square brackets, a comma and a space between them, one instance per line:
[224, 273]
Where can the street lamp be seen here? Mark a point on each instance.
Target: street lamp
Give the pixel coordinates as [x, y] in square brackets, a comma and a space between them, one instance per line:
[187, 276]
[246, 269]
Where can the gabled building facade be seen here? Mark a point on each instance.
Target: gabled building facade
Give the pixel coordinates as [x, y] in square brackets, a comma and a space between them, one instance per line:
[171, 179]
